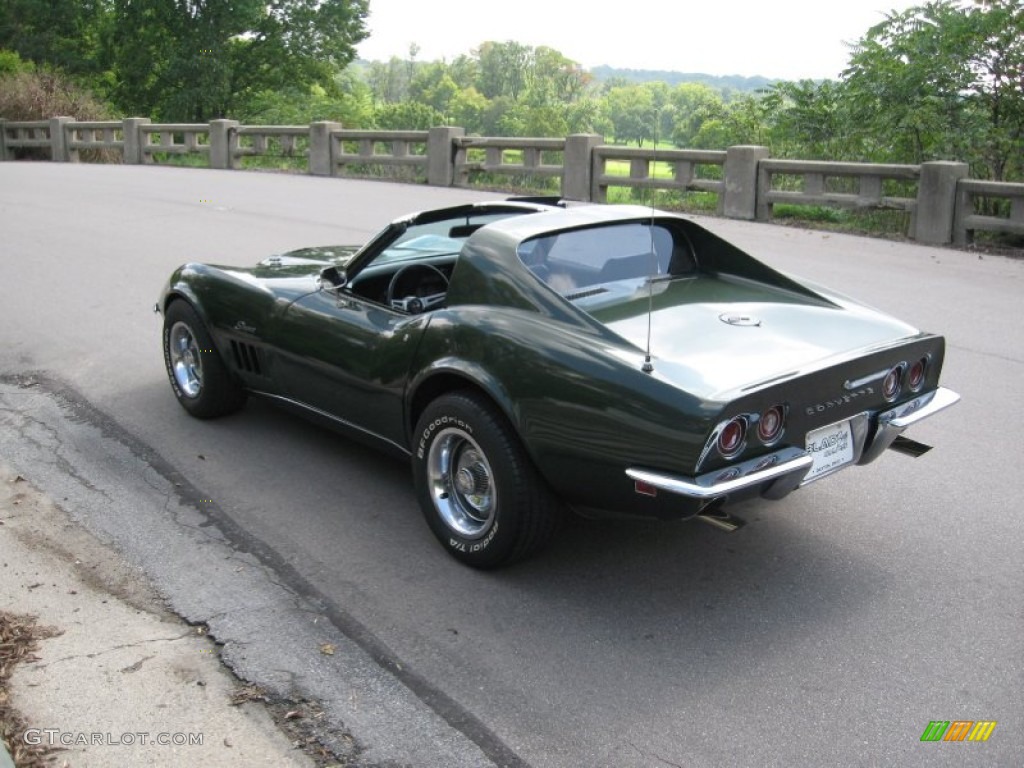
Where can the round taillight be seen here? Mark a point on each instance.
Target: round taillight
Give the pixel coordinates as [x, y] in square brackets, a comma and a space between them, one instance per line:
[891, 384]
[730, 439]
[915, 377]
[769, 427]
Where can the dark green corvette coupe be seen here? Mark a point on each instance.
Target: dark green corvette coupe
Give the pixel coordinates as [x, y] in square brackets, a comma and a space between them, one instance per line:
[531, 358]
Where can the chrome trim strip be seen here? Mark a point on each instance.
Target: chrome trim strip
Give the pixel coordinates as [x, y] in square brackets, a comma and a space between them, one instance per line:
[332, 417]
[702, 487]
[857, 384]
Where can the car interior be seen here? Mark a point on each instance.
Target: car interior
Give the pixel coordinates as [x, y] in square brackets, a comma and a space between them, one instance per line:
[411, 272]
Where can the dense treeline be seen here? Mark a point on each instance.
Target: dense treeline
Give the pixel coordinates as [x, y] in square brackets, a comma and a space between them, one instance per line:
[186, 60]
[943, 80]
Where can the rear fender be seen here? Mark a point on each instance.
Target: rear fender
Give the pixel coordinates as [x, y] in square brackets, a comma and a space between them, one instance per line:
[449, 374]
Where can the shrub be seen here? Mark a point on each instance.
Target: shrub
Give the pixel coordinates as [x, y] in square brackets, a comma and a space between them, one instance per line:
[27, 95]
[11, 62]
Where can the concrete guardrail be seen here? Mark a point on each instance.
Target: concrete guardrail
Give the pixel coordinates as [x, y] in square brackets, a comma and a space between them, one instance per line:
[944, 205]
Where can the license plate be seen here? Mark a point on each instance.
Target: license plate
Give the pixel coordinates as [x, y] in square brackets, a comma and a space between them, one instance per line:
[831, 448]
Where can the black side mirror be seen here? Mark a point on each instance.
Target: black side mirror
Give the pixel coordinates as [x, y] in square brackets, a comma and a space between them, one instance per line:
[332, 278]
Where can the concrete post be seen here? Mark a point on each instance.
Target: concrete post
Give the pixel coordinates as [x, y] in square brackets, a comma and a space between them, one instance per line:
[321, 157]
[221, 133]
[740, 198]
[578, 165]
[3, 139]
[441, 154]
[936, 201]
[58, 141]
[964, 208]
[133, 142]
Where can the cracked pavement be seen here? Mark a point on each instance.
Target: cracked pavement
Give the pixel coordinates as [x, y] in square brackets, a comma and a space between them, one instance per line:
[265, 630]
[122, 674]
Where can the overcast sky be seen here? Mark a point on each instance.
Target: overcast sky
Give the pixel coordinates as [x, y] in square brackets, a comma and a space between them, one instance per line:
[785, 39]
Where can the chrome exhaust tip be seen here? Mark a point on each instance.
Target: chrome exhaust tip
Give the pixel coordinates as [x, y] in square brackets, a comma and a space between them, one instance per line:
[910, 447]
[716, 516]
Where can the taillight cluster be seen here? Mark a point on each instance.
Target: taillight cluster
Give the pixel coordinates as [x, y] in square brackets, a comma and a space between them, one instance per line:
[911, 376]
[768, 428]
[916, 374]
[732, 437]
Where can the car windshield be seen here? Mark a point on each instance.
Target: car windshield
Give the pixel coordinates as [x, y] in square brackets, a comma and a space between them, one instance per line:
[575, 262]
[437, 238]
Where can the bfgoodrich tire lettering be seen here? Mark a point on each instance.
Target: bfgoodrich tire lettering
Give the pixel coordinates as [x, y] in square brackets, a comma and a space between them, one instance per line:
[199, 378]
[479, 492]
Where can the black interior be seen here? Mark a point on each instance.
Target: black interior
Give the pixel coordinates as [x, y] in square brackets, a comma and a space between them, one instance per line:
[372, 283]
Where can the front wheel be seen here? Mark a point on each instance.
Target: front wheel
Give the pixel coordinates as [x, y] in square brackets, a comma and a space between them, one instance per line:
[480, 493]
[199, 378]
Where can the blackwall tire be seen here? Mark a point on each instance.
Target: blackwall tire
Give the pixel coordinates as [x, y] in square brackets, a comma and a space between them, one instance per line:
[481, 495]
[199, 379]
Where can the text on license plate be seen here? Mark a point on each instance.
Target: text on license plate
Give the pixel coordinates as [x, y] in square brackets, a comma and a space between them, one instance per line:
[830, 447]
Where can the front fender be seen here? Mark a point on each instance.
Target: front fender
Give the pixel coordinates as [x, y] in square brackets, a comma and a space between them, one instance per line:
[178, 287]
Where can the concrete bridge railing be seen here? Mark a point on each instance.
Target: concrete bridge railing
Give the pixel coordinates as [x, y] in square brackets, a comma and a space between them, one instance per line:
[969, 191]
[944, 205]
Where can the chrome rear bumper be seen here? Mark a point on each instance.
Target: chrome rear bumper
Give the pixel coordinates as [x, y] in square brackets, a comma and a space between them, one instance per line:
[786, 472]
[774, 476]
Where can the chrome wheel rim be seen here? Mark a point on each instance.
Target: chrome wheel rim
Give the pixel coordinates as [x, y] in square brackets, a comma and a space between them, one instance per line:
[186, 363]
[461, 483]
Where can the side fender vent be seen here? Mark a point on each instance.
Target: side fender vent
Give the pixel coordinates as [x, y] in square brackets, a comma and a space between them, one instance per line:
[247, 357]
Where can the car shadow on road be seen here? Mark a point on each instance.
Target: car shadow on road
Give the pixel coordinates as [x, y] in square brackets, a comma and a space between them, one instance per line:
[679, 597]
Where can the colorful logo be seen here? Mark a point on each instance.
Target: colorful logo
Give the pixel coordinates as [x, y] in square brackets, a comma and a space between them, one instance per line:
[958, 730]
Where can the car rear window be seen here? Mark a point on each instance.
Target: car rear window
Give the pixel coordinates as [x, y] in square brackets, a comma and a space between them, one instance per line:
[578, 259]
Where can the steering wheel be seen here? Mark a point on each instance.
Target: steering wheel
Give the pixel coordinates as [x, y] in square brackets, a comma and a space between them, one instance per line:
[411, 284]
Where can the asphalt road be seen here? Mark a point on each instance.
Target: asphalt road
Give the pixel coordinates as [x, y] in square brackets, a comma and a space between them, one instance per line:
[828, 631]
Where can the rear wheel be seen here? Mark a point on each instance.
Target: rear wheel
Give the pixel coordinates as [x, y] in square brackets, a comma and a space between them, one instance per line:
[480, 493]
[199, 378]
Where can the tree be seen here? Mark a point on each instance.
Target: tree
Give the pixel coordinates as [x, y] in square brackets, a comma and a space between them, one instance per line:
[750, 119]
[584, 116]
[468, 109]
[944, 80]
[352, 107]
[65, 34]
[552, 78]
[433, 85]
[504, 117]
[545, 120]
[198, 59]
[693, 104]
[632, 111]
[998, 63]
[503, 69]
[465, 71]
[813, 121]
[406, 116]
